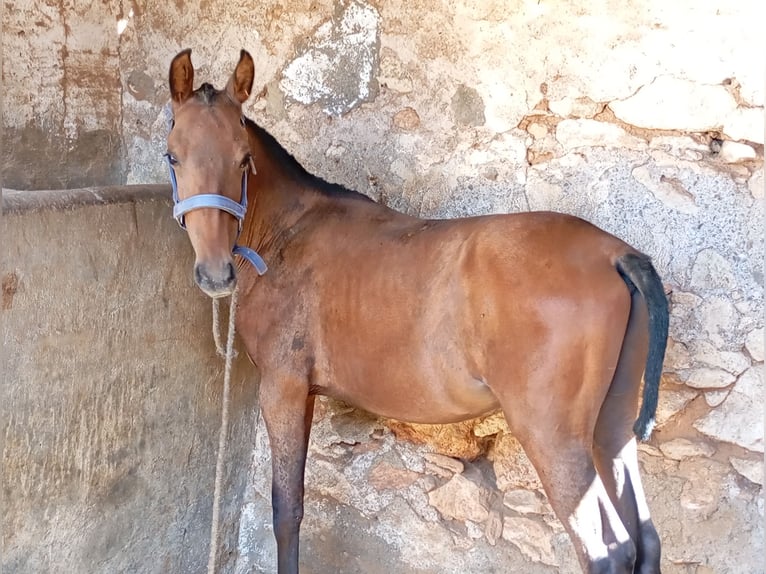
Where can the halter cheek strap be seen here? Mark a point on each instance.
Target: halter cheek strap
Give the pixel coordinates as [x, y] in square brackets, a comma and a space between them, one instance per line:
[215, 201]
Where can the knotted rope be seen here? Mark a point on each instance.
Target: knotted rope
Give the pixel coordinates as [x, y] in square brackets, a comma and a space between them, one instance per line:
[229, 354]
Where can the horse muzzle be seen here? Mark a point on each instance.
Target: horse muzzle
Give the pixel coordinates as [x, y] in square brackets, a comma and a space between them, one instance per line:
[216, 280]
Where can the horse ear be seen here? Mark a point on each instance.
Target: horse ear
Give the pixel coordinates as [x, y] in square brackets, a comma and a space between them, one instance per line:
[181, 77]
[241, 81]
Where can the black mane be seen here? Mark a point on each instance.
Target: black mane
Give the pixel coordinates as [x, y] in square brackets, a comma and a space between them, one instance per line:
[281, 155]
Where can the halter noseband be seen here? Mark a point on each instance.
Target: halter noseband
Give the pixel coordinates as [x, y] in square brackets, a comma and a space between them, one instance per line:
[215, 201]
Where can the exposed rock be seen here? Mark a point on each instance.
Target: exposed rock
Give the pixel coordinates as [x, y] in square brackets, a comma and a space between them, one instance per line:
[718, 319]
[328, 479]
[347, 426]
[712, 271]
[428, 482]
[677, 356]
[754, 344]
[455, 440]
[536, 156]
[493, 528]
[676, 104]
[708, 378]
[684, 299]
[473, 530]
[446, 462]
[461, 542]
[701, 493]
[715, 398]
[740, 174]
[652, 461]
[666, 189]
[437, 470]
[750, 469]
[649, 449]
[707, 354]
[531, 537]
[511, 465]
[699, 498]
[575, 107]
[573, 134]
[681, 448]
[526, 502]
[682, 147]
[385, 476]
[406, 119]
[537, 131]
[745, 124]
[493, 424]
[461, 499]
[739, 419]
[749, 311]
[672, 401]
[734, 152]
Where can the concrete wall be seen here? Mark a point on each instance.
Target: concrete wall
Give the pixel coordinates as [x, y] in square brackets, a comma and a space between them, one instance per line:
[111, 390]
[643, 117]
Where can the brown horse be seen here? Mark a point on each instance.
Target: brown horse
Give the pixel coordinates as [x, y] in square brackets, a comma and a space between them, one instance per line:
[542, 315]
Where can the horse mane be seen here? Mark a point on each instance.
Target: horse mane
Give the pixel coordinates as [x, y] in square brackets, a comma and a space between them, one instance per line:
[208, 94]
[296, 170]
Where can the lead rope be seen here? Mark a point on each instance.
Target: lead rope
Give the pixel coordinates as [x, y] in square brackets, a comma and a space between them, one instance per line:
[219, 348]
[229, 354]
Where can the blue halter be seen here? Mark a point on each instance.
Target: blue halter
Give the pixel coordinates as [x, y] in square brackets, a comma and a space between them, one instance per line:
[215, 201]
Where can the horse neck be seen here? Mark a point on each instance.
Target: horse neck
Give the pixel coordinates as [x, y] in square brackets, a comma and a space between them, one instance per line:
[277, 199]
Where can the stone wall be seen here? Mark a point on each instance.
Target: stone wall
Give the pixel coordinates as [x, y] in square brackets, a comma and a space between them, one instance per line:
[644, 117]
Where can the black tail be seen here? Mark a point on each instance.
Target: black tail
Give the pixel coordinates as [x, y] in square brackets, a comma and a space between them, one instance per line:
[638, 272]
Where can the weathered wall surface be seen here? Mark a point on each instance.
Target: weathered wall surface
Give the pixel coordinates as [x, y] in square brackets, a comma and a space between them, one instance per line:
[111, 390]
[643, 117]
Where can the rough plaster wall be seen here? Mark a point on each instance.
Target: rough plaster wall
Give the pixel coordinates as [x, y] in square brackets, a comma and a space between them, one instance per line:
[63, 96]
[111, 394]
[644, 117]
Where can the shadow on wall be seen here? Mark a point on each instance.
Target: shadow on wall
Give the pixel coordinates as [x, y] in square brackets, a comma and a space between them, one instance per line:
[33, 159]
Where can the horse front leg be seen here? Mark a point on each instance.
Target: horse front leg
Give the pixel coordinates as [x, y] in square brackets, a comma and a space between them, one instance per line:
[287, 411]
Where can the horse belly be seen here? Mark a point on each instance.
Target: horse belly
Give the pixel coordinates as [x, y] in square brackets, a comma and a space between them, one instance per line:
[413, 388]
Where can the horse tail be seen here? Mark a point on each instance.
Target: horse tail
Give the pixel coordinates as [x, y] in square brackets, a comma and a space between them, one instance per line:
[638, 272]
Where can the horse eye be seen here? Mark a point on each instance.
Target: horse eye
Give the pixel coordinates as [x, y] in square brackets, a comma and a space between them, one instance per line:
[245, 162]
[172, 160]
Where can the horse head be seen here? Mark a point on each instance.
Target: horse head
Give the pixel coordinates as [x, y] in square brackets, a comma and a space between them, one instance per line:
[209, 158]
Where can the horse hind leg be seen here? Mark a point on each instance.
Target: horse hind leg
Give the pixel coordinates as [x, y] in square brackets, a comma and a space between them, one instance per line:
[618, 468]
[614, 444]
[581, 502]
[562, 456]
